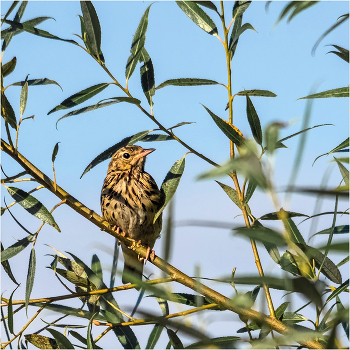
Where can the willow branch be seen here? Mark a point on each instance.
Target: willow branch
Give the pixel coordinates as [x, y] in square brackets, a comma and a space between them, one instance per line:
[175, 274]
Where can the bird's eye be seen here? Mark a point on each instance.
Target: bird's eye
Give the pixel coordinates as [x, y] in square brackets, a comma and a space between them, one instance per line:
[126, 155]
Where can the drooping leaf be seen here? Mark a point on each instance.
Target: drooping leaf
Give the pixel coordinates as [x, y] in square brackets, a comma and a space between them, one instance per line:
[89, 340]
[340, 92]
[7, 112]
[100, 105]
[232, 193]
[114, 264]
[33, 206]
[35, 82]
[261, 234]
[344, 172]
[337, 291]
[41, 341]
[10, 313]
[171, 182]
[344, 323]
[256, 92]
[342, 53]
[293, 231]
[174, 339]
[32, 22]
[230, 131]
[208, 4]
[80, 97]
[96, 266]
[147, 76]
[286, 214]
[92, 26]
[16, 248]
[30, 277]
[250, 191]
[227, 342]
[61, 340]
[108, 153]
[23, 98]
[340, 147]
[187, 82]
[9, 67]
[254, 121]
[154, 336]
[239, 32]
[198, 16]
[137, 44]
[7, 268]
[11, 8]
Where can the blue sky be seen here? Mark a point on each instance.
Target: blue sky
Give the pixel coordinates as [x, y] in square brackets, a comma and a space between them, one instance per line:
[275, 58]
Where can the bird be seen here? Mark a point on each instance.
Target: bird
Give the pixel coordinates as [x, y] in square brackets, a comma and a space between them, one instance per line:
[130, 198]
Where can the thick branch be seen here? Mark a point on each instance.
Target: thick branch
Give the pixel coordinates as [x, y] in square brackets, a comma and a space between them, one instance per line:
[174, 273]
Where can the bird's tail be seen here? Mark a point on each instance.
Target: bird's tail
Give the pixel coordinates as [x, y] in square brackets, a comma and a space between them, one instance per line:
[133, 268]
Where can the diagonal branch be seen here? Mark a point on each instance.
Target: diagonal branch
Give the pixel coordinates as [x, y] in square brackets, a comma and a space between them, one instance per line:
[175, 274]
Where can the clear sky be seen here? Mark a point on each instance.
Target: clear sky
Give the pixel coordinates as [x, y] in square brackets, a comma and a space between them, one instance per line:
[275, 58]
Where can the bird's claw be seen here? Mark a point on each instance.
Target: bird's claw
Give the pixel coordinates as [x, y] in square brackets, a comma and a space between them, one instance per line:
[149, 254]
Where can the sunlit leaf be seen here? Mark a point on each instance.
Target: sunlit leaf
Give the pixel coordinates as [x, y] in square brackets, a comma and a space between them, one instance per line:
[16, 248]
[30, 276]
[344, 261]
[61, 340]
[198, 16]
[9, 67]
[288, 263]
[80, 97]
[23, 98]
[41, 341]
[171, 182]
[7, 112]
[340, 147]
[293, 231]
[33, 206]
[340, 92]
[239, 8]
[187, 82]
[180, 124]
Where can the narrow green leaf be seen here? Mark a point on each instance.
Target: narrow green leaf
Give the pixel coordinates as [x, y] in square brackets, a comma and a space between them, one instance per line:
[92, 25]
[163, 306]
[12, 7]
[344, 323]
[186, 299]
[250, 191]
[322, 326]
[261, 234]
[30, 277]
[292, 318]
[233, 195]
[138, 43]
[230, 131]
[293, 231]
[7, 112]
[337, 230]
[61, 340]
[237, 25]
[154, 336]
[9, 67]
[39, 32]
[23, 98]
[198, 16]
[89, 339]
[208, 4]
[35, 82]
[168, 238]
[54, 152]
[174, 339]
[171, 182]
[180, 124]
[239, 32]
[336, 247]
[147, 76]
[187, 82]
[340, 92]
[344, 172]
[340, 147]
[287, 263]
[80, 97]
[256, 92]
[96, 266]
[10, 313]
[342, 53]
[16, 248]
[294, 7]
[239, 8]
[114, 264]
[32, 22]
[33, 206]
[337, 291]
[7, 268]
[271, 136]
[254, 121]
[344, 261]
[227, 342]
[287, 214]
[41, 341]
[108, 153]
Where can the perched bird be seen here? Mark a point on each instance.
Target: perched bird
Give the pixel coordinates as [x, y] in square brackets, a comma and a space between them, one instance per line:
[130, 198]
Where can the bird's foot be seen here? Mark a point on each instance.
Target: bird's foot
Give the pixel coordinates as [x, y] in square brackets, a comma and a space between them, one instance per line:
[149, 254]
[117, 229]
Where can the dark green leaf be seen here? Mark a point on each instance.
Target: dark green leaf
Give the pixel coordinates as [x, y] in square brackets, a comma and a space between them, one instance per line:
[174, 339]
[220, 343]
[7, 268]
[137, 45]
[261, 234]
[100, 105]
[322, 326]
[208, 4]
[256, 92]
[80, 97]
[294, 7]
[250, 191]
[114, 264]
[340, 147]
[336, 247]
[30, 277]
[198, 16]
[233, 195]
[287, 263]
[10, 313]
[89, 340]
[292, 318]
[229, 130]
[344, 261]
[171, 182]
[239, 32]
[344, 172]
[280, 310]
[12, 7]
[237, 25]
[7, 112]
[147, 76]
[186, 299]
[239, 8]
[32, 22]
[293, 231]
[92, 26]
[340, 92]
[9, 67]
[337, 230]
[187, 82]
[286, 214]
[81, 338]
[33, 206]
[337, 291]
[154, 336]
[34, 82]
[108, 153]
[54, 152]
[156, 137]
[41, 341]
[342, 53]
[16, 248]
[273, 251]
[96, 266]
[344, 323]
[254, 121]
[180, 124]
[61, 340]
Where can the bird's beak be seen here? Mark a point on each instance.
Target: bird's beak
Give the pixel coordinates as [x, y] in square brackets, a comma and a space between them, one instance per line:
[145, 153]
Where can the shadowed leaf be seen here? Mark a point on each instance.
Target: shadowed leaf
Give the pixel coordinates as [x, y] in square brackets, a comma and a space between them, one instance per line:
[41, 341]
[286, 214]
[30, 277]
[96, 266]
[342, 53]
[16, 248]
[250, 191]
[7, 112]
[261, 234]
[147, 76]
[337, 291]
[12, 7]
[344, 323]
[80, 97]
[10, 313]
[288, 263]
[256, 92]
[187, 82]
[208, 4]
[54, 152]
[337, 230]
[9, 67]
[61, 340]
[254, 121]
[32, 22]
[227, 342]
[340, 147]
[198, 16]
[154, 336]
[33, 206]
[340, 92]
[7, 268]
[35, 82]
[114, 264]
[174, 339]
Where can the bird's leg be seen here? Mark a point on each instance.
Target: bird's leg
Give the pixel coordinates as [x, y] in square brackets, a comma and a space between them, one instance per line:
[117, 229]
[150, 253]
